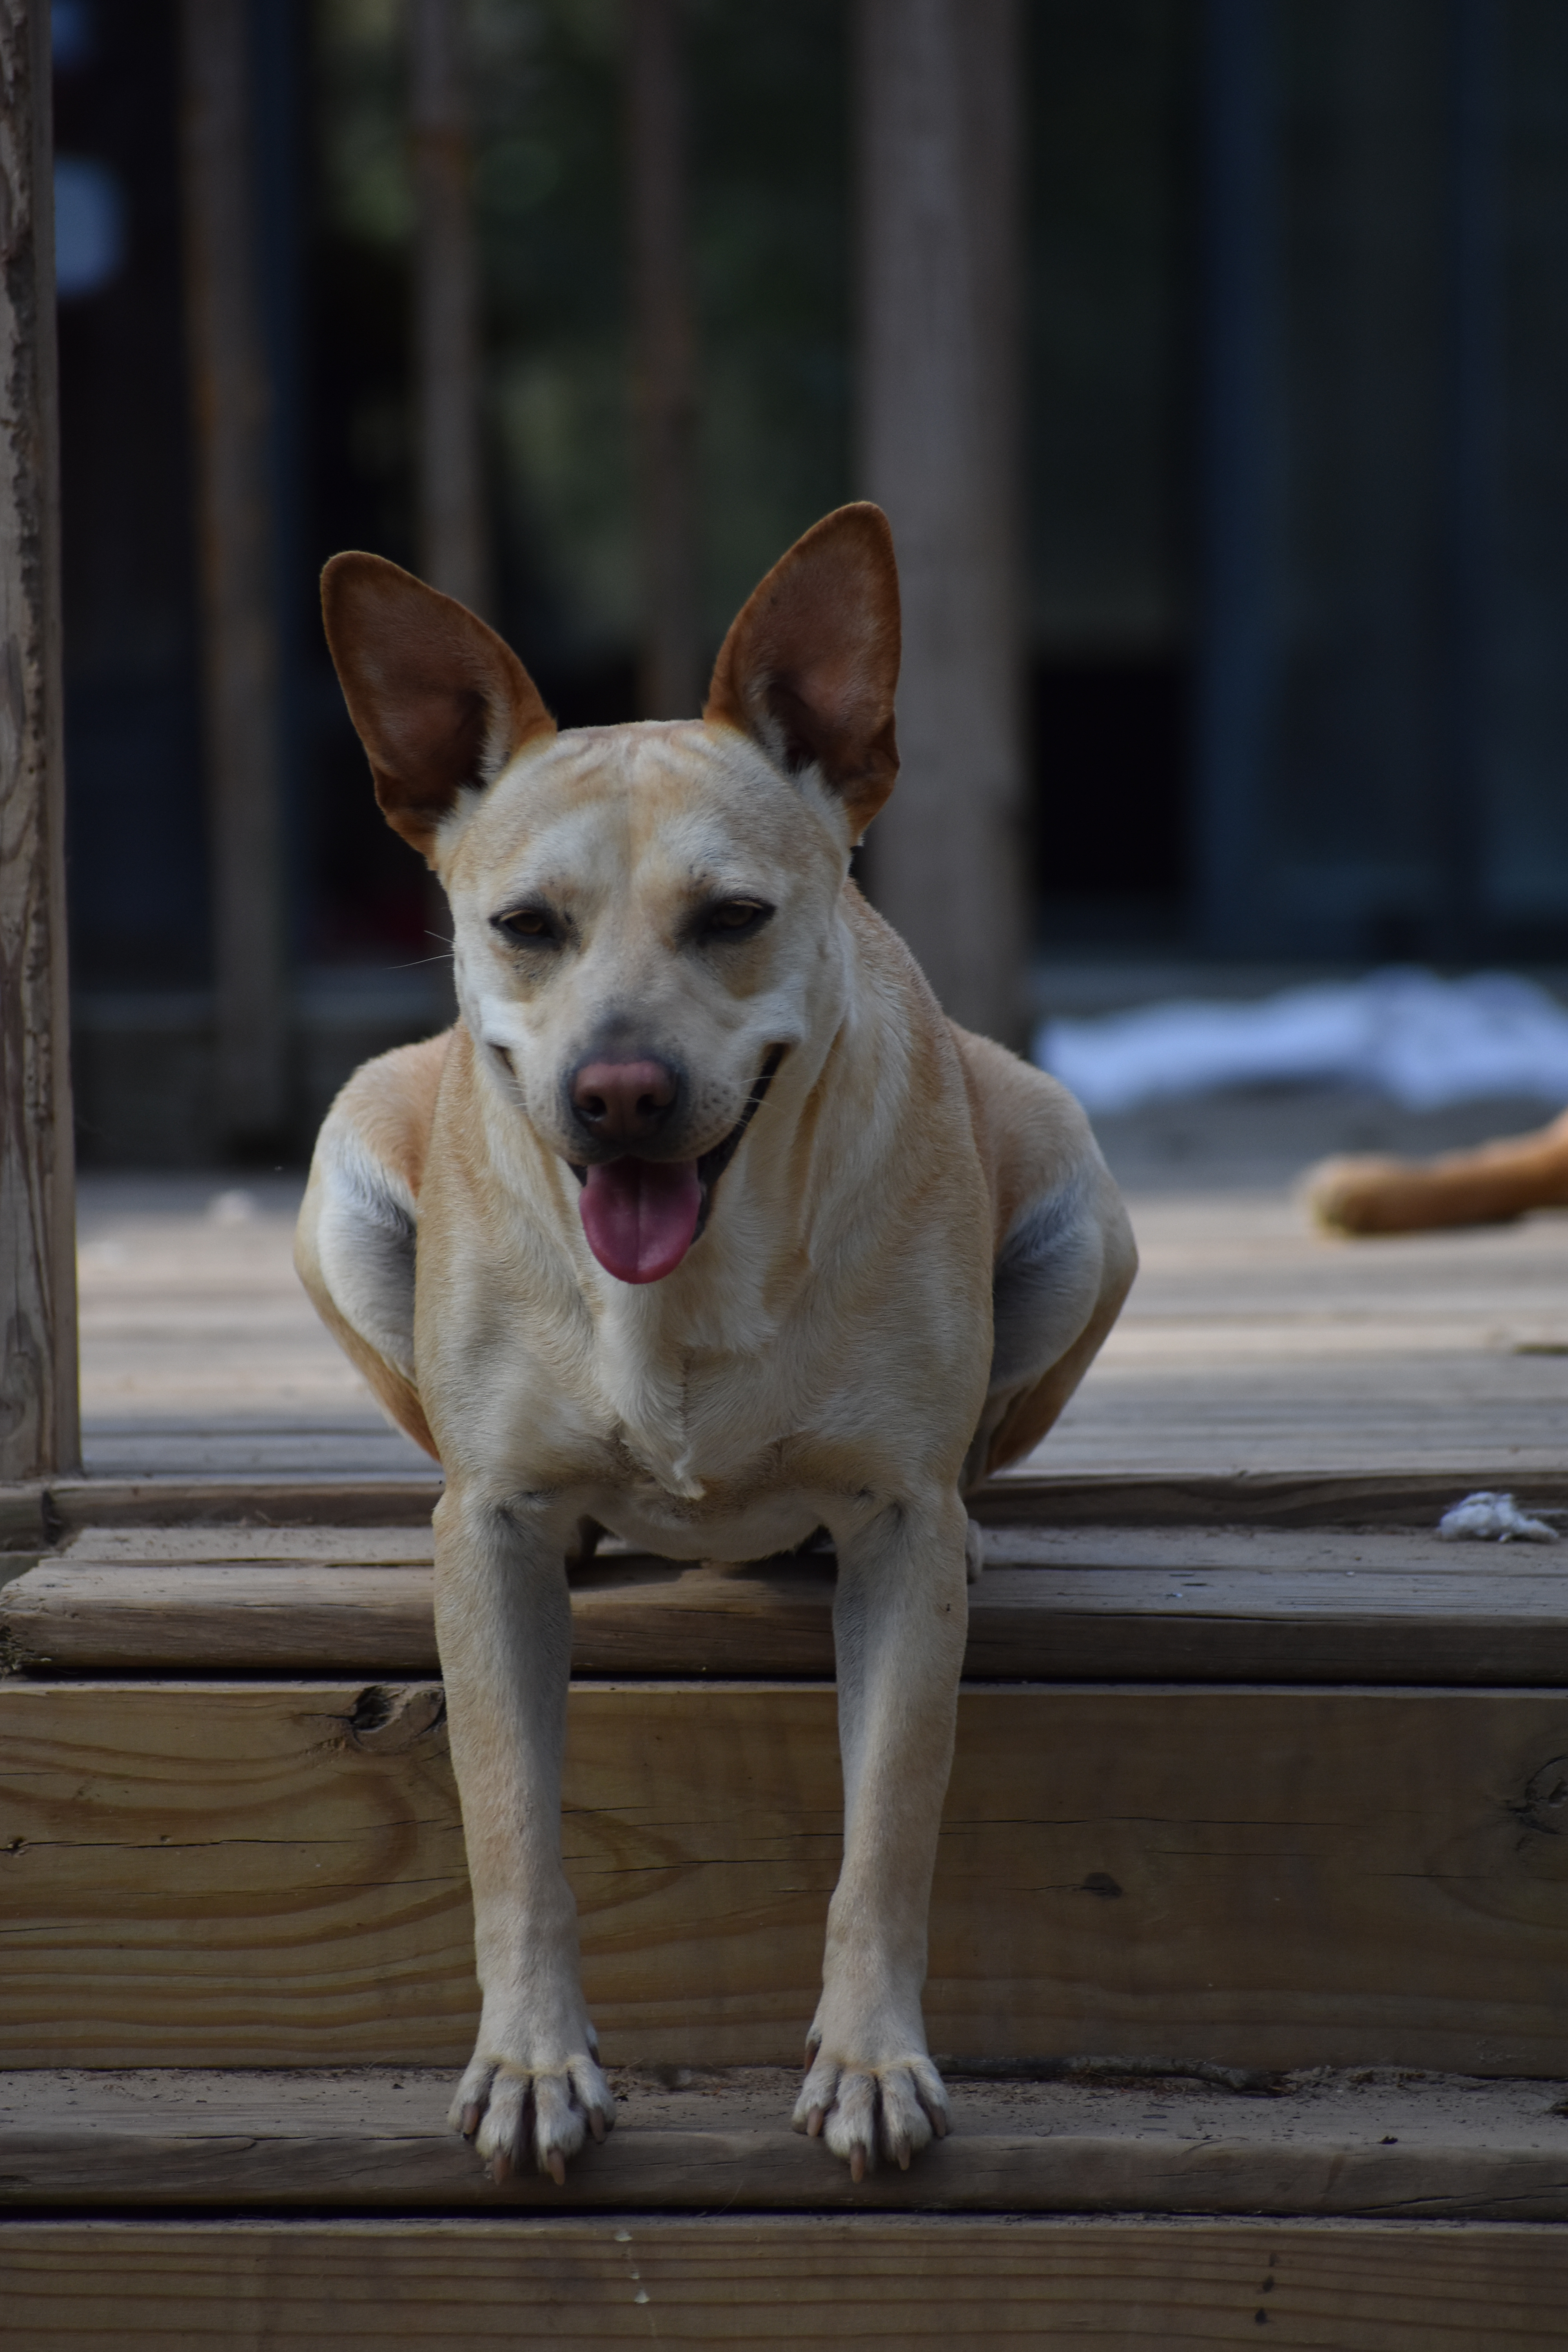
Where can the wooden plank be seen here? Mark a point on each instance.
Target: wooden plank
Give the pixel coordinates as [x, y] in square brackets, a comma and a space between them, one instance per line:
[1173, 1603]
[825, 2279]
[266, 1873]
[39, 1430]
[338, 2140]
[69, 1504]
[1285, 1499]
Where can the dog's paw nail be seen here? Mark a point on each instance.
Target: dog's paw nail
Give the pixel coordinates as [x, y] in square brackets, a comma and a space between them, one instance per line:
[938, 2126]
[557, 2168]
[903, 2156]
[858, 2162]
[501, 2168]
[470, 2121]
[596, 2125]
[814, 2123]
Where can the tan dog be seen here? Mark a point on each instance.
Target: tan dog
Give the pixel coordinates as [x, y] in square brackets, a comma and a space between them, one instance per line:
[1487, 1186]
[725, 1234]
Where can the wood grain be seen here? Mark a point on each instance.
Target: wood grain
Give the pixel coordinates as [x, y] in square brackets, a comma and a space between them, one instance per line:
[265, 1874]
[360, 2140]
[1247, 1604]
[765, 2280]
[39, 1430]
[64, 1506]
[67, 1505]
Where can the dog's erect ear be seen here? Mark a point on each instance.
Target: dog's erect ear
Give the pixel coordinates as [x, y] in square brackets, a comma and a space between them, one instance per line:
[809, 668]
[440, 703]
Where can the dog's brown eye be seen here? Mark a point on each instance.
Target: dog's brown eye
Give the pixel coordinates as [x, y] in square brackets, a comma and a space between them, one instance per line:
[735, 916]
[527, 923]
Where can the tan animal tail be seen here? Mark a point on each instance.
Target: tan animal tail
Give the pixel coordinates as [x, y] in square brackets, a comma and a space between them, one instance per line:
[1484, 1186]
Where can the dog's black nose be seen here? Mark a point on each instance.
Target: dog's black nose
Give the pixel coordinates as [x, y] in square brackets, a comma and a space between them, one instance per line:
[623, 1102]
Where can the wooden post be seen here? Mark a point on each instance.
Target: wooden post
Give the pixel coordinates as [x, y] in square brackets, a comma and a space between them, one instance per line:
[452, 545]
[233, 407]
[39, 1425]
[939, 84]
[670, 684]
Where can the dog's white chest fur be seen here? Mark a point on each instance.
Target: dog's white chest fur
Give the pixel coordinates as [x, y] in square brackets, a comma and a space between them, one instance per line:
[666, 1378]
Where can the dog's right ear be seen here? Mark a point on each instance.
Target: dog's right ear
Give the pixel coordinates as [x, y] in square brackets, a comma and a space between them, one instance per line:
[439, 701]
[809, 668]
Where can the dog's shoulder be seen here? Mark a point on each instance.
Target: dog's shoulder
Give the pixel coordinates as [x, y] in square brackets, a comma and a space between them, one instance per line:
[1031, 1135]
[354, 1244]
[390, 1105]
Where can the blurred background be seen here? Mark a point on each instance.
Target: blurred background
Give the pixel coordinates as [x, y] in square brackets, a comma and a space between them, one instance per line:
[1210, 357]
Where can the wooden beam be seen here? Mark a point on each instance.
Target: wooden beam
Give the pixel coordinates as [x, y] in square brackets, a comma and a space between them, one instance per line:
[40, 1513]
[232, 398]
[1073, 1604]
[254, 1874]
[374, 2139]
[39, 1430]
[453, 554]
[669, 683]
[738, 2282]
[939, 84]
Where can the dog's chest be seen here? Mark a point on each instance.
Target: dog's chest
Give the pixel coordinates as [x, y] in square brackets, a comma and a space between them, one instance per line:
[686, 1420]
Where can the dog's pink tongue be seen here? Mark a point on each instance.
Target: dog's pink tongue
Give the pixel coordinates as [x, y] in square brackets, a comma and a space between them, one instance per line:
[640, 1215]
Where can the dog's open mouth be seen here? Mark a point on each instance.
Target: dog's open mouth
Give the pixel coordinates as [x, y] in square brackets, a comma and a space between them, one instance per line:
[641, 1216]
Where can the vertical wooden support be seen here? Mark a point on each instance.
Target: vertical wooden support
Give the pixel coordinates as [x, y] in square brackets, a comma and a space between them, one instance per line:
[232, 407]
[40, 1429]
[939, 102]
[452, 540]
[670, 684]
[1239, 550]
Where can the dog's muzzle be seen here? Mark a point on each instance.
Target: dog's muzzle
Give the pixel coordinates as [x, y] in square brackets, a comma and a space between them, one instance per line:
[641, 1216]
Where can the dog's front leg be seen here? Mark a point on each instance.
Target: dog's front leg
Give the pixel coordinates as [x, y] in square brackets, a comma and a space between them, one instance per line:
[503, 1626]
[900, 1620]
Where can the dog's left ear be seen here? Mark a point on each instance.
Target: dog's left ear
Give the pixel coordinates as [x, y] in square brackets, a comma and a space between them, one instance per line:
[811, 662]
[438, 700]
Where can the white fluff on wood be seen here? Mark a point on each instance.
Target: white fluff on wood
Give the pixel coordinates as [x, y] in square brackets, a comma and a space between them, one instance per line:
[1492, 1518]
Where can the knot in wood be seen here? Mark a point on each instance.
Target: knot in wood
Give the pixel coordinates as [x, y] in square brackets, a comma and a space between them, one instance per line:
[1545, 1803]
[387, 1720]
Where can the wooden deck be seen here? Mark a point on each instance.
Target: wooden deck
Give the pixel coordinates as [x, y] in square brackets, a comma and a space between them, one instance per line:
[1251, 1913]
[1249, 1344]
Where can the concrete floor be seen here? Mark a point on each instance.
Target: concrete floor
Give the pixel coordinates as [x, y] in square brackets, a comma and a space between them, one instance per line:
[1249, 1342]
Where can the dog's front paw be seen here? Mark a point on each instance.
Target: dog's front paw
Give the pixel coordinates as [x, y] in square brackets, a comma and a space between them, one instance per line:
[892, 2108]
[507, 2109]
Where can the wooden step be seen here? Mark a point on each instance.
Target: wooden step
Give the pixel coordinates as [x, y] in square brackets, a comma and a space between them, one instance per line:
[270, 1872]
[1253, 1780]
[1092, 2140]
[36, 1514]
[821, 2279]
[1272, 1596]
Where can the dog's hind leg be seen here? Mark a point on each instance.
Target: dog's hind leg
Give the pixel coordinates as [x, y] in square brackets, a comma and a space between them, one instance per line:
[1065, 1252]
[354, 1244]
